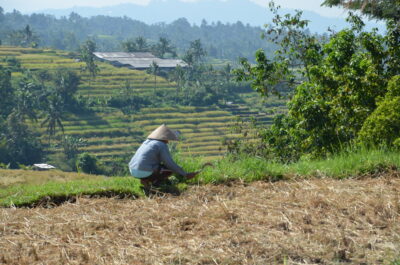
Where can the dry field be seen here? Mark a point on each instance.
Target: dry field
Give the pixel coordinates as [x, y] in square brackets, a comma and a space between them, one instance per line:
[294, 222]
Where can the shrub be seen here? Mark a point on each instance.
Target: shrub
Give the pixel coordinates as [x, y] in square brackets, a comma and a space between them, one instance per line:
[383, 125]
[394, 87]
[87, 163]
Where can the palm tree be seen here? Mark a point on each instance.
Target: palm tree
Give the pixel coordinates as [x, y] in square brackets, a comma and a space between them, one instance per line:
[164, 46]
[141, 44]
[53, 115]
[25, 102]
[154, 69]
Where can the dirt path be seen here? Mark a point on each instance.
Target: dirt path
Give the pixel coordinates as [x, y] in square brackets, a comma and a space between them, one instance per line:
[315, 221]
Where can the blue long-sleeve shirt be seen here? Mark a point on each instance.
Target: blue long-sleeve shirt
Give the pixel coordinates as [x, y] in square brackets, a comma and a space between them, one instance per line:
[151, 154]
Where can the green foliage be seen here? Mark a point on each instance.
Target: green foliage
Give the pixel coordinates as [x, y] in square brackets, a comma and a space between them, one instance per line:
[117, 166]
[53, 115]
[388, 9]
[6, 92]
[248, 168]
[87, 163]
[13, 64]
[18, 144]
[382, 127]
[359, 163]
[28, 194]
[128, 104]
[339, 84]
[71, 145]
[195, 54]
[25, 37]
[263, 76]
[66, 84]
[154, 69]
[86, 53]
[163, 47]
[139, 44]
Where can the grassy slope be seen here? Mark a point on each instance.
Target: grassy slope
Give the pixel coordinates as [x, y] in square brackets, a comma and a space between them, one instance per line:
[28, 188]
[32, 187]
[110, 133]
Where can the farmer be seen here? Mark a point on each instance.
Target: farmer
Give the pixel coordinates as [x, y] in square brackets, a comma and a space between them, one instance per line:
[152, 162]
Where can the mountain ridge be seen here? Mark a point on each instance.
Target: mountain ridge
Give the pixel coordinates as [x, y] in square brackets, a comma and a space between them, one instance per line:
[211, 11]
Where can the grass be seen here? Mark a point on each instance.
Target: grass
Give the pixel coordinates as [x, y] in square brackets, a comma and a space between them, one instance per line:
[343, 165]
[27, 188]
[28, 194]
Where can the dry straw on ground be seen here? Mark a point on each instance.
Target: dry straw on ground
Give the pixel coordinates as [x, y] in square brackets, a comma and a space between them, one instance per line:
[305, 222]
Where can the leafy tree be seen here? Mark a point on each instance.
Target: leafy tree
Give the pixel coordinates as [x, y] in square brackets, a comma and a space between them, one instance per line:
[154, 69]
[127, 101]
[25, 37]
[6, 92]
[19, 143]
[137, 45]
[141, 44]
[383, 125]
[220, 40]
[129, 46]
[53, 114]
[86, 53]
[197, 50]
[87, 163]
[71, 145]
[380, 9]
[163, 47]
[26, 99]
[194, 57]
[13, 64]
[66, 84]
[339, 85]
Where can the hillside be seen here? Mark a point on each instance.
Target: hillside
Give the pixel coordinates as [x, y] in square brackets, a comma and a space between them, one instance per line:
[111, 133]
[317, 221]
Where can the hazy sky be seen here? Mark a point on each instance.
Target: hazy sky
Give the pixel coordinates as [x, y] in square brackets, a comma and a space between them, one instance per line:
[26, 6]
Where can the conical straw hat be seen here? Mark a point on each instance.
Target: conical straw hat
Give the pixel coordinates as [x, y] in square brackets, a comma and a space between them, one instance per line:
[163, 133]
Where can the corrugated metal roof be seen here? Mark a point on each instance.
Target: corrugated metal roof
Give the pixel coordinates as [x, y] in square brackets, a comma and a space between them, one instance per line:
[110, 55]
[138, 59]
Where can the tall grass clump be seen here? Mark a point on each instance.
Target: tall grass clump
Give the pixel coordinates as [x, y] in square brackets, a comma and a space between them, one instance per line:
[346, 164]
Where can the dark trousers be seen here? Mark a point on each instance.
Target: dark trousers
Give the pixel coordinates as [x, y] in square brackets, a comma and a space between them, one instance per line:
[159, 175]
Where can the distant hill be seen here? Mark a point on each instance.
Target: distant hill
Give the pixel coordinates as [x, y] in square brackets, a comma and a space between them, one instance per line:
[229, 11]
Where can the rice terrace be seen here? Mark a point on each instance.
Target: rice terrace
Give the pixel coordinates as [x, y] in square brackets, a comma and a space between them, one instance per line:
[198, 138]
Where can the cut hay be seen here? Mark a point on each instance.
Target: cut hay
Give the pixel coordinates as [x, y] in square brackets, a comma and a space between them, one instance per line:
[298, 222]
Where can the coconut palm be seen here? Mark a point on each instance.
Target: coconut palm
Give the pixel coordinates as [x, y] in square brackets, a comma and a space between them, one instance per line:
[154, 70]
[53, 115]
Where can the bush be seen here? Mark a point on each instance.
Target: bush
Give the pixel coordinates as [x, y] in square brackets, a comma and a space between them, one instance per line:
[394, 87]
[383, 125]
[87, 163]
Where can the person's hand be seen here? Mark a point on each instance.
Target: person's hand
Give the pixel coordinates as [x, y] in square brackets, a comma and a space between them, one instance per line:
[191, 175]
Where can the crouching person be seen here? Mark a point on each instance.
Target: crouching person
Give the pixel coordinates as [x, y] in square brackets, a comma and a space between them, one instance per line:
[152, 163]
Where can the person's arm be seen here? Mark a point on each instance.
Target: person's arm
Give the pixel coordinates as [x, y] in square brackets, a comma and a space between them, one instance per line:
[169, 162]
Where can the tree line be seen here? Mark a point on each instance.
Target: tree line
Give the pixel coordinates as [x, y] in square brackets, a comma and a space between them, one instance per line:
[224, 41]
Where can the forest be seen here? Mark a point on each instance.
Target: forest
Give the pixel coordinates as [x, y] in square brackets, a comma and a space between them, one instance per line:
[222, 41]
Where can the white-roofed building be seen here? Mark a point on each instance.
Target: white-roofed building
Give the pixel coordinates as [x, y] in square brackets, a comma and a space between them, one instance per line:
[138, 60]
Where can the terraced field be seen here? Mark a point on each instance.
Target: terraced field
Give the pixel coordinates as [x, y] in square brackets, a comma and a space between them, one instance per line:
[110, 133]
